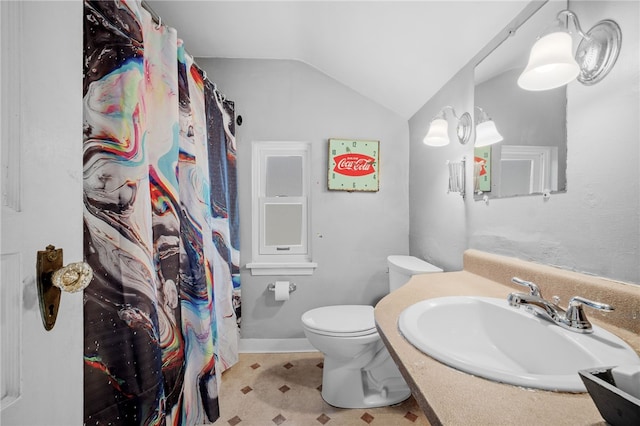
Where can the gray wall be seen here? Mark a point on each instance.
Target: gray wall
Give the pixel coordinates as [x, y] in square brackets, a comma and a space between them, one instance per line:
[352, 233]
[594, 227]
[438, 230]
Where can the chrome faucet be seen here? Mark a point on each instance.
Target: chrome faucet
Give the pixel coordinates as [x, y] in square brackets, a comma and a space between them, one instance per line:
[573, 318]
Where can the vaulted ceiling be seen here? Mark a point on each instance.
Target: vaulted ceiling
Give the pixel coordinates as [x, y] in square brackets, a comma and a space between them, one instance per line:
[397, 53]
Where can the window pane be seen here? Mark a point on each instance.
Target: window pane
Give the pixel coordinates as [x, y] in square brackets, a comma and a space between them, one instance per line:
[283, 224]
[284, 176]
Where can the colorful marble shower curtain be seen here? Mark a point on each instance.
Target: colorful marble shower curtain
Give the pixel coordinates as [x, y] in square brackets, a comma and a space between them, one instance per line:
[160, 225]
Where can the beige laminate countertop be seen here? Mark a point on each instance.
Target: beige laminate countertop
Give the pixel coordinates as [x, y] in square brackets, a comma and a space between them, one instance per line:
[451, 397]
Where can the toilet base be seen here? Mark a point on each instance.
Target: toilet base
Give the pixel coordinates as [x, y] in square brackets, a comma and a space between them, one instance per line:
[372, 400]
[379, 386]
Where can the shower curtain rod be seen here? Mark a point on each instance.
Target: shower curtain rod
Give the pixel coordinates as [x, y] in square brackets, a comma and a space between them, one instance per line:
[158, 20]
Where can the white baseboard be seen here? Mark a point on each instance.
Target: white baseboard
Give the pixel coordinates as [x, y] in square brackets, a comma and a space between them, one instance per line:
[275, 345]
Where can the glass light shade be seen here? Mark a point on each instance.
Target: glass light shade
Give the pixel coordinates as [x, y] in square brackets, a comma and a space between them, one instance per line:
[438, 134]
[551, 63]
[487, 134]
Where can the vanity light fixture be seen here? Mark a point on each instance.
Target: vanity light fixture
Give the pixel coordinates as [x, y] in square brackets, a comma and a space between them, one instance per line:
[486, 131]
[438, 134]
[552, 63]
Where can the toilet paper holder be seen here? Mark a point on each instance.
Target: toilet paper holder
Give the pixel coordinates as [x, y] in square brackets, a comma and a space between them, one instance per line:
[272, 287]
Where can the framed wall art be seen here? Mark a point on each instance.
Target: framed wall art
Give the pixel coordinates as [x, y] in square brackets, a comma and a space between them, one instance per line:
[354, 165]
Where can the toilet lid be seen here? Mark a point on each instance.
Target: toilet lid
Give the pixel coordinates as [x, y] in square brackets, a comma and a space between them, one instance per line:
[341, 319]
[411, 265]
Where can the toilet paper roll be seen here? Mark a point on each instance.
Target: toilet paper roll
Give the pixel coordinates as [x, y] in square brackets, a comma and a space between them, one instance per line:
[282, 290]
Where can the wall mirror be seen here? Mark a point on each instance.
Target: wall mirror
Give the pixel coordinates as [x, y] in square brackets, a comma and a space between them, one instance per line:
[532, 158]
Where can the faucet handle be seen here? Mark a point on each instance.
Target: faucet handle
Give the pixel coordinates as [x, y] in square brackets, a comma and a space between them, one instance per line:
[575, 316]
[578, 300]
[534, 290]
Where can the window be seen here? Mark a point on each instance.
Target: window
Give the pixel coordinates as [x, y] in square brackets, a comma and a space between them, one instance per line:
[280, 209]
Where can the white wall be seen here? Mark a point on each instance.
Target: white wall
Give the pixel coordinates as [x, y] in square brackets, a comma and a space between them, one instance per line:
[352, 233]
[438, 231]
[595, 226]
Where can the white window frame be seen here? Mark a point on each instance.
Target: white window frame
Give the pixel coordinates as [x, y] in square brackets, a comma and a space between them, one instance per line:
[281, 259]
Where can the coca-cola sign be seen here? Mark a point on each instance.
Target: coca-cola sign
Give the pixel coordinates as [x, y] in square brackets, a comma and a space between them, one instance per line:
[354, 164]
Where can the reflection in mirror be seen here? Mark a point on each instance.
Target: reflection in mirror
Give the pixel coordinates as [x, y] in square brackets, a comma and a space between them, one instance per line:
[532, 158]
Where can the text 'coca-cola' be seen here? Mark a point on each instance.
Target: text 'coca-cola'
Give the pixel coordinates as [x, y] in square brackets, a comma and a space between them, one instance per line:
[354, 164]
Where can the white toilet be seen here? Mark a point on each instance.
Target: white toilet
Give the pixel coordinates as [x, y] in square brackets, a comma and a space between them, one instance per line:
[358, 370]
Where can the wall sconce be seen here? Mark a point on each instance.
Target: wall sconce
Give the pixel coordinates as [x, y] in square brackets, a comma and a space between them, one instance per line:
[438, 134]
[552, 63]
[52, 277]
[486, 131]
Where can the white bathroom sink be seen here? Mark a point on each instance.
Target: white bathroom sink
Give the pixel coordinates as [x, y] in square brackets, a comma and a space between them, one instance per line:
[488, 338]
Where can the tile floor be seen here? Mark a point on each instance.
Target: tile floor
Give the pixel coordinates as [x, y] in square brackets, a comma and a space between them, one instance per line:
[284, 389]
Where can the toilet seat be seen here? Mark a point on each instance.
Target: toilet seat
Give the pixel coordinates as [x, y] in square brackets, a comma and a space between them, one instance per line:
[341, 320]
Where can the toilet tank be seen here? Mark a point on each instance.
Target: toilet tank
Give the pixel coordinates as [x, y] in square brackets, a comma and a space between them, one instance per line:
[401, 268]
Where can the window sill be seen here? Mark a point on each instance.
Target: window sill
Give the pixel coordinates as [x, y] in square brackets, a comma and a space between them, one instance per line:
[282, 268]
